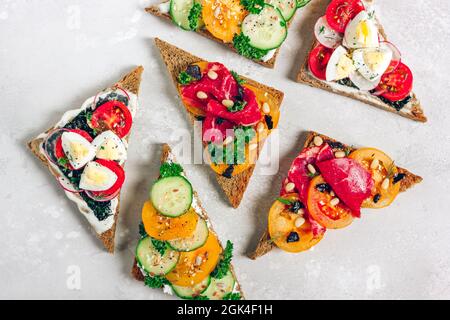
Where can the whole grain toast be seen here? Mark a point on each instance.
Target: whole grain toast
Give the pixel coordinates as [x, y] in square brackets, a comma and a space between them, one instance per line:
[265, 244]
[176, 60]
[130, 82]
[154, 10]
[135, 271]
[414, 110]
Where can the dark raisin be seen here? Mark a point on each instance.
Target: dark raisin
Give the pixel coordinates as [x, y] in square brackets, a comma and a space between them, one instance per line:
[323, 187]
[219, 120]
[269, 121]
[377, 198]
[200, 118]
[335, 144]
[399, 177]
[228, 171]
[295, 206]
[194, 71]
[293, 237]
[240, 95]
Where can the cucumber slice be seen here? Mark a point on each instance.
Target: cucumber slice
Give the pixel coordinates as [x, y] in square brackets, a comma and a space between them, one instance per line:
[286, 7]
[179, 12]
[191, 292]
[220, 287]
[195, 241]
[171, 196]
[266, 30]
[152, 261]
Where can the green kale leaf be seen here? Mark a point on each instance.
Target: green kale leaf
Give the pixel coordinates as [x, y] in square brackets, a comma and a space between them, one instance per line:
[170, 169]
[236, 77]
[184, 78]
[223, 266]
[253, 6]
[241, 43]
[232, 296]
[142, 231]
[155, 282]
[194, 15]
[160, 246]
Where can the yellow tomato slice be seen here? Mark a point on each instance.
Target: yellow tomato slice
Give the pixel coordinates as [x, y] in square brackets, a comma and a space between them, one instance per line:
[195, 266]
[381, 166]
[251, 155]
[282, 223]
[223, 18]
[164, 228]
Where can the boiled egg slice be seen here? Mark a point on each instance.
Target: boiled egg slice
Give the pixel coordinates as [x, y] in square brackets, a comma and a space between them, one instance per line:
[110, 147]
[372, 62]
[77, 149]
[340, 65]
[362, 83]
[361, 32]
[96, 177]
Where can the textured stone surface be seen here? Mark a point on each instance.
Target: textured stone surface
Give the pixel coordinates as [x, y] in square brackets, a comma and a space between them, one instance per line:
[54, 54]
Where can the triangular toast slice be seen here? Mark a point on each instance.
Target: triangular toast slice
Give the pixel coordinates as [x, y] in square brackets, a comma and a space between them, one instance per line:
[106, 228]
[412, 109]
[265, 244]
[176, 61]
[154, 281]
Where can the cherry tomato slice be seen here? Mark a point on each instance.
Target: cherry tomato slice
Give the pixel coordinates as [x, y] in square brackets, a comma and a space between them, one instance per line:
[340, 12]
[112, 115]
[396, 85]
[59, 152]
[320, 207]
[118, 170]
[282, 225]
[318, 61]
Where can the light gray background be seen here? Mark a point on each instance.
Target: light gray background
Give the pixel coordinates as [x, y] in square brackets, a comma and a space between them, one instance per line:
[54, 54]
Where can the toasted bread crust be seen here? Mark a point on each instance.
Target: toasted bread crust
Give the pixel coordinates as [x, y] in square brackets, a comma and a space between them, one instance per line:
[265, 244]
[304, 76]
[269, 63]
[136, 272]
[129, 82]
[177, 60]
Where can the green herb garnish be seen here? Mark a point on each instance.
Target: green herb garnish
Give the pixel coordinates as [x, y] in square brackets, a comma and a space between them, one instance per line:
[184, 78]
[170, 169]
[236, 77]
[302, 3]
[200, 298]
[160, 246]
[194, 15]
[223, 266]
[155, 282]
[237, 106]
[63, 162]
[253, 6]
[142, 231]
[241, 43]
[232, 296]
[285, 201]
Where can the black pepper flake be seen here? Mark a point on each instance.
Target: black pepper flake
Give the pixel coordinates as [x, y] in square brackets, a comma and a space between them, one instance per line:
[323, 187]
[228, 171]
[377, 198]
[293, 237]
[269, 121]
[398, 177]
[194, 71]
[295, 206]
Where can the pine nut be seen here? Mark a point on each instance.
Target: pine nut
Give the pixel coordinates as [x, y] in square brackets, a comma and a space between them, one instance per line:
[332, 193]
[311, 169]
[198, 260]
[339, 154]
[375, 163]
[266, 108]
[260, 127]
[334, 202]
[318, 141]
[201, 95]
[301, 212]
[212, 75]
[289, 187]
[299, 222]
[385, 184]
[228, 103]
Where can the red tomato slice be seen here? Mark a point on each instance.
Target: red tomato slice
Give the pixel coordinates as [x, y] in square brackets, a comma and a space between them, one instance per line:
[59, 152]
[318, 61]
[340, 12]
[114, 116]
[118, 170]
[396, 85]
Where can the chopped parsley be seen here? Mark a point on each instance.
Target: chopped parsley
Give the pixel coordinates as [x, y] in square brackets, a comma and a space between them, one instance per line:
[170, 169]
[142, 231]
[232, 296]
[194, 15]
[223, 266]
[184, 78]
[160, 246]
[321, 29]
[155, 282]
[237, 106]
[241, 43]
[236, 77]
[253, 6]
[63, 162]
[200, 298]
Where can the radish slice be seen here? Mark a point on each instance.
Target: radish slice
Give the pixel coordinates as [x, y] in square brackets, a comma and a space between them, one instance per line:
[102, 199]
[396, 55]
[49, 144]
[67, 185]
[362, 83]
[325, 35]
